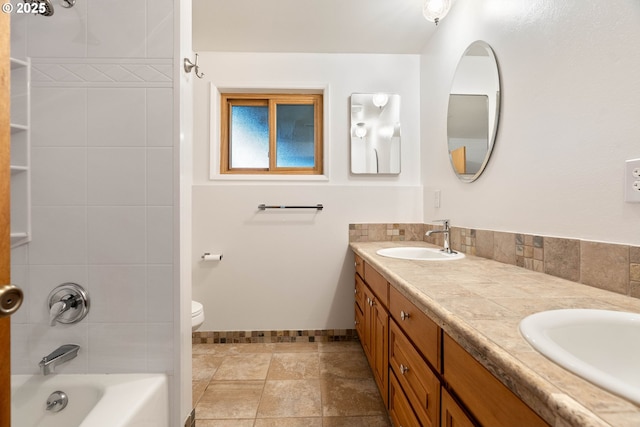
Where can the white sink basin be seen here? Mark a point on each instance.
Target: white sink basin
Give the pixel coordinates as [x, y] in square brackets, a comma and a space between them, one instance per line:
[418, 253]
[601, 346]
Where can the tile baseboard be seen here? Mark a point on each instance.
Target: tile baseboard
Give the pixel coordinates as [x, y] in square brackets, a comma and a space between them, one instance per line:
[239, 337]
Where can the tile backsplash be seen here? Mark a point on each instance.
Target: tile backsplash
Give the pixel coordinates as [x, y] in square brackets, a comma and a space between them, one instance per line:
[608, 266]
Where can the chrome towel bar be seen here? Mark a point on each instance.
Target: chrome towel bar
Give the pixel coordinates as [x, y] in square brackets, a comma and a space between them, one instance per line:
[263, 207]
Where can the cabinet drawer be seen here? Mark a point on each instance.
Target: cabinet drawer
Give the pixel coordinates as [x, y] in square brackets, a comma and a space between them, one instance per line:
[486, 398]
[359, 292]
[401, 413]
[423, 331]
[420, 384]
[377, 283]
[359, 264]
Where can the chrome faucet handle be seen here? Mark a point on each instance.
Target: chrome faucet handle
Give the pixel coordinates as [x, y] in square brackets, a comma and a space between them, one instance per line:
[68, 303]
[56, 310]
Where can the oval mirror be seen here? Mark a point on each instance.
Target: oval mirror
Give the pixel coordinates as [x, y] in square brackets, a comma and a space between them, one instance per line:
[474, 109]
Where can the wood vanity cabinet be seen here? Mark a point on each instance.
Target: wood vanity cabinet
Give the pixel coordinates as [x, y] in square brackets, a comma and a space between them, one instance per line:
[489, 401]
[427, 379]
[373, 326]
[420, 385]
[414, 358]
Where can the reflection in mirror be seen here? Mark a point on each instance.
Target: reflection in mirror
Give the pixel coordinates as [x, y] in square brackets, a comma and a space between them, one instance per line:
[375, 133]
[474, 106]
[468, 132]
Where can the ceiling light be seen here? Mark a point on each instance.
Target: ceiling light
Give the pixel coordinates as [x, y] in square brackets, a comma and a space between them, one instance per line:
[435, 10]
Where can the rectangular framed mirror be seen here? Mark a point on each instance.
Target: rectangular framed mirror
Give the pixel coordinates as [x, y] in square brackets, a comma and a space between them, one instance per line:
[375, 133]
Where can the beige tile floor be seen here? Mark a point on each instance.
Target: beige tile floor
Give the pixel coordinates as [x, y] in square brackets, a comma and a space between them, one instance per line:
[285, 385]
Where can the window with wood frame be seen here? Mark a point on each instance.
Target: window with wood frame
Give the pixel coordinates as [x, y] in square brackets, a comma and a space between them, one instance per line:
[271, 134]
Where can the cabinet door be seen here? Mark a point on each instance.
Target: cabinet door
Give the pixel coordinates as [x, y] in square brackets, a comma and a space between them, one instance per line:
[359, 292]
[399, 408]
[359, 316]
[452, 414]
[367, 330]
[359, 307]
[380, 348]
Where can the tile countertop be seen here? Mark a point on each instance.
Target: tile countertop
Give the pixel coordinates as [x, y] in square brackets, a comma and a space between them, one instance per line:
[480, 302]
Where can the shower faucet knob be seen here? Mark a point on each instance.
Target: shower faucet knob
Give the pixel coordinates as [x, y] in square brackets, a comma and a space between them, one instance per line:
[68, 303]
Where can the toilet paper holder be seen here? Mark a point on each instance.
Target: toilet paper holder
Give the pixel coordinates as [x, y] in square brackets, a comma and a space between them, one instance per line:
[208, 256]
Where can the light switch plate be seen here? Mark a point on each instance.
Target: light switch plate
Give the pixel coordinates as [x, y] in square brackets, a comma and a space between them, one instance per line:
[632, 181]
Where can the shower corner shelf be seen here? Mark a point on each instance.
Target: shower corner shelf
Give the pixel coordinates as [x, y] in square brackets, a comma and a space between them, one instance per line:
[20, 152]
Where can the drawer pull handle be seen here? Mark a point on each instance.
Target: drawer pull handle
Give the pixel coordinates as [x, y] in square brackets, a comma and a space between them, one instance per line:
[372, 303]
[403, 369]
[355, 291]
[403, 315]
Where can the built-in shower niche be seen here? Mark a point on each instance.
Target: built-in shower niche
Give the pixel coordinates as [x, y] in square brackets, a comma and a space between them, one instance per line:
[20, 152]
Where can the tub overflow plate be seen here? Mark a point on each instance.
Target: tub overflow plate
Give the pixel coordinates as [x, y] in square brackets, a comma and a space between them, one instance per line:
[57, 401]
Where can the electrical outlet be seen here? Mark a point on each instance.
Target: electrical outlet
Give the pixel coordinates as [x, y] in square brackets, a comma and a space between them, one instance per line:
[436, 199]
[632, 181]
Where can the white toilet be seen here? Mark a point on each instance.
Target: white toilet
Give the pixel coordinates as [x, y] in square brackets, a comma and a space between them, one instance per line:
[197, 315]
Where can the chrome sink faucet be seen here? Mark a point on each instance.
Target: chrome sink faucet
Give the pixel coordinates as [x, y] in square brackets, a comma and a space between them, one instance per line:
[57, 357]
[445, 231]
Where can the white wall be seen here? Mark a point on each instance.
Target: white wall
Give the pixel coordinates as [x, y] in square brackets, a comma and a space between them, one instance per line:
[103, 141]
[293, 270]
[569, 119]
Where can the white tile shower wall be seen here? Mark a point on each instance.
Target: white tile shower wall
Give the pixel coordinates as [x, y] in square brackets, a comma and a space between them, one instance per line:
[102, 184]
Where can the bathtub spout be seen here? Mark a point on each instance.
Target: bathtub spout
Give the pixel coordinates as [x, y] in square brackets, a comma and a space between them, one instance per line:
[60, 355]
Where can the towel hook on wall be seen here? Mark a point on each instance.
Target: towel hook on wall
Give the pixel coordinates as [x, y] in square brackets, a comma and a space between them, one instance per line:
[188, 66]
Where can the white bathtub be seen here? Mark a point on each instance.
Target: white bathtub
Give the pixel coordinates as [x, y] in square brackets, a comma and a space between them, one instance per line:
[110, 400]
